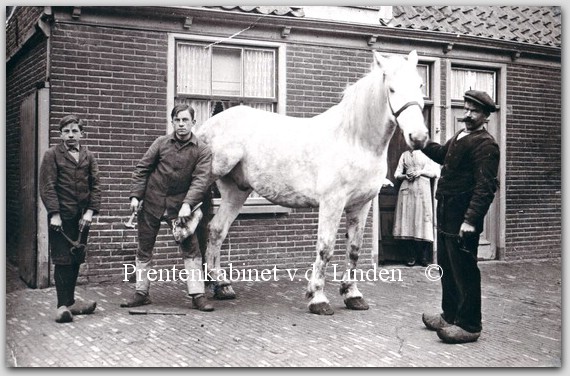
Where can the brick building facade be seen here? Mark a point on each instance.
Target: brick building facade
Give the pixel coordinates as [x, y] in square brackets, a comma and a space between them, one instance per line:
[115, 67]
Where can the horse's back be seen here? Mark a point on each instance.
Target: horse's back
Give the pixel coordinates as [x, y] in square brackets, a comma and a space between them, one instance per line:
[239, 122]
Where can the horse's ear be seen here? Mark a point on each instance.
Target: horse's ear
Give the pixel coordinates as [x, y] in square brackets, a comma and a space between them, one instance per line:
[379, 60]
[413, 57]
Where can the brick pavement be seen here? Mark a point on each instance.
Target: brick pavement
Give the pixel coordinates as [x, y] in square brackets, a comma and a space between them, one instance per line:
[269, 325]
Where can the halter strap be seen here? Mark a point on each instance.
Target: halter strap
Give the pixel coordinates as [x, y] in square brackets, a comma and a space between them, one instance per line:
[404, 107]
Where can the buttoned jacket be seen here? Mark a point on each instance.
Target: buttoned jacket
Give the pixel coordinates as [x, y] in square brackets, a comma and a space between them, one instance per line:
[172, 173]
[469, 173]
[69, 186]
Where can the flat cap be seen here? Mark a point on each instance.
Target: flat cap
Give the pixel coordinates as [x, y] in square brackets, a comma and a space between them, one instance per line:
[481, 98]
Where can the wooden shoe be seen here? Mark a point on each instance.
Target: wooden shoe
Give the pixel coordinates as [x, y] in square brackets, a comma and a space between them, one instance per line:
[63, 315]
[82, 308]
[434, 321]
[456, 334]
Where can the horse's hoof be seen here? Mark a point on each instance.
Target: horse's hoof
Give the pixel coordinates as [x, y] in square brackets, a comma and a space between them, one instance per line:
[358, 304]
[322, 308]
[224, 292]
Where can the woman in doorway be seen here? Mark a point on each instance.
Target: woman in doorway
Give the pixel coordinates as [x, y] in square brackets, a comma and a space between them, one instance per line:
[413, 220]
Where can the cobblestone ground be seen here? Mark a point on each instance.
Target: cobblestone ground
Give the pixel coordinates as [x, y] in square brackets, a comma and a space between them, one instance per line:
[269, 325]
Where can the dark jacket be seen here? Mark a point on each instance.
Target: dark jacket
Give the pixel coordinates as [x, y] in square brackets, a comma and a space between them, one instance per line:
[69, 187]
[170, 174]
[468, 179]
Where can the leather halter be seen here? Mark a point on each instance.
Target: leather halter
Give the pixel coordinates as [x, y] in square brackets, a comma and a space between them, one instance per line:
[403, 108]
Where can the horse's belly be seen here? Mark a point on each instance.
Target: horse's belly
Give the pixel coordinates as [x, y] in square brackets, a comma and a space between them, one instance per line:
[285, 192]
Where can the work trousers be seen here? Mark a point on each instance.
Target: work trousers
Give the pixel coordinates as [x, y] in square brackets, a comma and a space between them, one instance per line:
[148, 228]
[65, 277]
[461, 279]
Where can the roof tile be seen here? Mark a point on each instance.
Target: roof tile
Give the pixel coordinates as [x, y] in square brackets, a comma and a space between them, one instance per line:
[527, 24]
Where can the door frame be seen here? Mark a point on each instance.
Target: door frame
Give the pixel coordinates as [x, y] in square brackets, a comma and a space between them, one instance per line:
[501, 100]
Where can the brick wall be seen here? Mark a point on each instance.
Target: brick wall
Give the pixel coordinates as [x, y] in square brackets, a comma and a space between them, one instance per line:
[534, 162]
[23, 73]
[116, 80]
[317, 76]
[23, 21]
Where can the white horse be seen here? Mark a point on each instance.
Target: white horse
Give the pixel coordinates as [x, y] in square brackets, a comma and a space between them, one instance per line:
[335, 161]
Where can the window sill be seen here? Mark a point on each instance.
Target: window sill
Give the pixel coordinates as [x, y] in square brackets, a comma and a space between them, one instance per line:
[256, 205]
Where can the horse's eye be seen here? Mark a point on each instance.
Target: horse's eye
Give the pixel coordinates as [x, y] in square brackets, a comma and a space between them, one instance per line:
[392, 91]
[421, 86]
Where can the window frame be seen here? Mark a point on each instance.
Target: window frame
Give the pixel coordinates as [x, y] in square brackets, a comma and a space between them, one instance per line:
[474, 68]
[252, 205]
[433, 91]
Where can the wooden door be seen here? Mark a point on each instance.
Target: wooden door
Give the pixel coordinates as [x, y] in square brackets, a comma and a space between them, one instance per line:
[390, 248]
[489, 237]
[27, 245]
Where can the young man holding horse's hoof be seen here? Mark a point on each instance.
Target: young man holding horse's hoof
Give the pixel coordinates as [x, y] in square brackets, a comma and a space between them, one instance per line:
[171, 179]
[69, 188]
[465, 191]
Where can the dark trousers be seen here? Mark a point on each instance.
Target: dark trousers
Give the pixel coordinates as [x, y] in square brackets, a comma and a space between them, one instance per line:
[65, 277]
[148, 228]
[66, 267]
[461, 280]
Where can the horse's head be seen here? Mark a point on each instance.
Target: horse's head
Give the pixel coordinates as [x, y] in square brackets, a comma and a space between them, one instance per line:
[404, 94]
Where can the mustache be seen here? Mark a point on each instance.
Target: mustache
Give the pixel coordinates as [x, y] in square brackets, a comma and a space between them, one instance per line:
[467, 119]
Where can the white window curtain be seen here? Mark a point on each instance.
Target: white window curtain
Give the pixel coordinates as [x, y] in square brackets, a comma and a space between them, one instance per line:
[193, 69]
[263, 106]
[466, 79]
[259, 73]
[424, 74]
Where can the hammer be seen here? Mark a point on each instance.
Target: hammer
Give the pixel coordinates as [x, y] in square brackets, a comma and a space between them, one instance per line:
[129, 223]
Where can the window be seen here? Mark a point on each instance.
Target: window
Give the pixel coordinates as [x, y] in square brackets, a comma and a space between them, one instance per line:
[463, 79]
[212, 78]
[423, 70]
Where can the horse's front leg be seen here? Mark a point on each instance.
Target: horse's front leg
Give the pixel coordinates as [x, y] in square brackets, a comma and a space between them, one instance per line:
[329, 219]
[355, 222]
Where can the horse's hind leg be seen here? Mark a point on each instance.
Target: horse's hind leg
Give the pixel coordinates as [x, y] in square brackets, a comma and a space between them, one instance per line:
[329, 219]
[232, 201]
[355, 222]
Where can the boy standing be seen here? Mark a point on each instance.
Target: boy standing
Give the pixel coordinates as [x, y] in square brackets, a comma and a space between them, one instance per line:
[69, 189]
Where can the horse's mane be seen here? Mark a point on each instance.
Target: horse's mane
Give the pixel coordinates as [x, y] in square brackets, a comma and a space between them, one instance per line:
[362, 106]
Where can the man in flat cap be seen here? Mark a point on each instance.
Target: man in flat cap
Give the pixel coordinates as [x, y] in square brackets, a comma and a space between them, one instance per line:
[465, 191]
